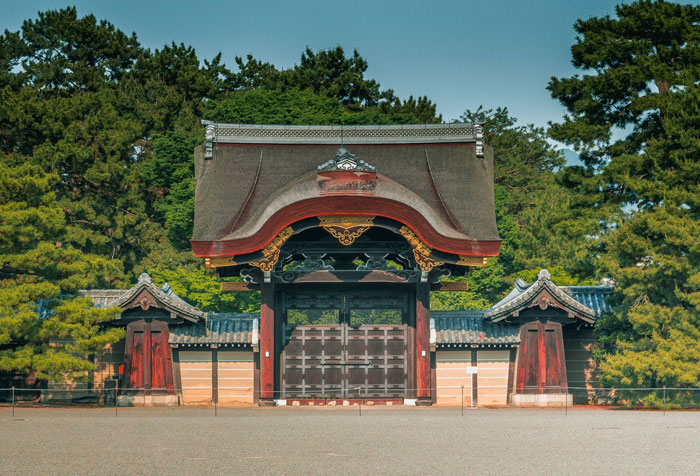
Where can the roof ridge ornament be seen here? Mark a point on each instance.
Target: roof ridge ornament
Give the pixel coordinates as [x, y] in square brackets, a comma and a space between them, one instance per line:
[345, 161]
[544, 275]
[144, 278]
[209, 138]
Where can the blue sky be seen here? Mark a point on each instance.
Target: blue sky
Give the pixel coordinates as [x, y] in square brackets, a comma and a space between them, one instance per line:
[461, 54]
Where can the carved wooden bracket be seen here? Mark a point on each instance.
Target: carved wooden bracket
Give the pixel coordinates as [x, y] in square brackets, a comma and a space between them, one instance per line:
[219, 262]
[421, 251]
[271, 253]
[144, 300]
[464, 260]
[238, 286]
[544, 300]
[346, 228]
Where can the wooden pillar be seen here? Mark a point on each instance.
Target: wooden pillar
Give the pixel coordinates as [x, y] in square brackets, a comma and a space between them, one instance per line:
[542, 358]
[177, 376]
[475, 378]
[147, 355]
[267, 343]
[511, 374]
[214, 374]
[423, 342]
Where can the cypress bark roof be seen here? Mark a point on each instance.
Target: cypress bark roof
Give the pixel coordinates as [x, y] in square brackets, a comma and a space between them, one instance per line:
[260, 179]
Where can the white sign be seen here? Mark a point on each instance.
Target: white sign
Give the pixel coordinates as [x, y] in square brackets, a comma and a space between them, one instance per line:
[471, 370]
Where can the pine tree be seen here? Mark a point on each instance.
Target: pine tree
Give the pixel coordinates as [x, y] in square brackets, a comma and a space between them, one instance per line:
[635, 117]
[41, 274]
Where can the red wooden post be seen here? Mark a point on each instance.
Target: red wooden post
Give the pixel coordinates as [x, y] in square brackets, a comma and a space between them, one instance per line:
[267, 342]
[423, 340]
[541, 358]
[147, 358]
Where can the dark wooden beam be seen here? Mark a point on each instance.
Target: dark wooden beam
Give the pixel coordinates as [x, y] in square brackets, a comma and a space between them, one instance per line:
[237, 286]
[450, 286]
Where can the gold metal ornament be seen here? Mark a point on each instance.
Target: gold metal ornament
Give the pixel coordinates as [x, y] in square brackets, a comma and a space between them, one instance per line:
[421, 251]
[464, 260]
[271, 253]
[346, 228]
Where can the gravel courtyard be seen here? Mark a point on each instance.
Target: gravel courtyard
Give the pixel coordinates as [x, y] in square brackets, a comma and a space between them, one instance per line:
[384, 440]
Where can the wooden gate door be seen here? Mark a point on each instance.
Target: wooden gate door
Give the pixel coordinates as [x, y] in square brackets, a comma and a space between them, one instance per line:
[148, 359]
[356, 346]
[541, 364]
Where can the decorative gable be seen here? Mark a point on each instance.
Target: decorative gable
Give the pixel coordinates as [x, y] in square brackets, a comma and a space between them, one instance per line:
[542, 294]
[146, 295]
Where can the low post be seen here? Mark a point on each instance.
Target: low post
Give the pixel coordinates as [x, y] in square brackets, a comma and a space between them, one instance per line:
[664, 399]
[462, 400]
[115, 401]
[359, 401]
[13, 401]
[216, 413]
[566, 400]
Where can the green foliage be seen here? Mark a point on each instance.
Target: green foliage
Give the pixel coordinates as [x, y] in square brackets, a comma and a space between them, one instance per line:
[40, 269]
[330, 74]
[643, 76]
[203, 290]
[558, 275]
[535, 219]
[297, 317]
[299, 107]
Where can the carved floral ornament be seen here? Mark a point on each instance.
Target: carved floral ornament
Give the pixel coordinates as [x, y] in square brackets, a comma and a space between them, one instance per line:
[271, 253]
[346, 228]
[421, 251]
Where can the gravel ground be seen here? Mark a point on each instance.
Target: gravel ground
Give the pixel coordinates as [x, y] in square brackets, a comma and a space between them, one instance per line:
[384, 440]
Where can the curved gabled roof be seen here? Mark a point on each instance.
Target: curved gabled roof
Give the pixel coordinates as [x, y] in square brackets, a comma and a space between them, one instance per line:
[145, 294]
[543, 293]
[437, 180]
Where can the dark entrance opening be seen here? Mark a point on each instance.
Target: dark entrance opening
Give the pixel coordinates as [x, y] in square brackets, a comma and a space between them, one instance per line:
[346, 343]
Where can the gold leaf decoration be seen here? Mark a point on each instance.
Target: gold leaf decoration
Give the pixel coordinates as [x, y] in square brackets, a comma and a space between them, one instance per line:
[346, 228]
[421, 251]
[464, 260]
[271, 253]
[220, 261]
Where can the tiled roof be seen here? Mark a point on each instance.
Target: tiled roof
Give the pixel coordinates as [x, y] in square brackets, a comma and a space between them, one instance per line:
[593, 297]
[103, 297]
[543, 292]
[219, 328]
[469, 327]
[164, 294]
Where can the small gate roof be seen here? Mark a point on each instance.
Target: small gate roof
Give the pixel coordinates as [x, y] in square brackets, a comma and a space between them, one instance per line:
[584, 302]
[125, 298]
